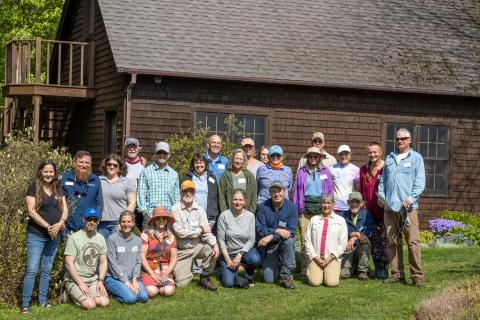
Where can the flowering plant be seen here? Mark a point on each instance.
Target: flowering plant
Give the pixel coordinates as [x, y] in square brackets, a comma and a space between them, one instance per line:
[442, 226]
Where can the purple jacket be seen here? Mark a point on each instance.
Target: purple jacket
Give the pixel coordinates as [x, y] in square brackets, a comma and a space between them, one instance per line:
[301, 186]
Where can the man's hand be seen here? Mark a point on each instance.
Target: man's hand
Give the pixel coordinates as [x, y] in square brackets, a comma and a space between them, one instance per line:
[381, 203]
[406, 203]
[101, 289]
[206, 229]
[216, 250]
[85, 290]
[136, 286]
[284, 233]
[351, 243]
[363, 239]
[265, 240]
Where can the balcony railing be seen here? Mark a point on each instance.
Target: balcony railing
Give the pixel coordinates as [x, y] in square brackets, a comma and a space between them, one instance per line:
[49, 62]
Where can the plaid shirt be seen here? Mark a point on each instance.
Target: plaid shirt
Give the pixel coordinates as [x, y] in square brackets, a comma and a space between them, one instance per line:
[157, 188]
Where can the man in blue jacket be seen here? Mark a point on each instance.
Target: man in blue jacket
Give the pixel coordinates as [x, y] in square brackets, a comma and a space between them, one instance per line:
[360, 225]
[82, 190]
[276, 223]
[401, 184]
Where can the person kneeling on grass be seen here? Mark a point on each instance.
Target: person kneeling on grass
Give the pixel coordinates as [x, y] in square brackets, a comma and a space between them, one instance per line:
[325, 242]
[86, 251]
[236, 238]
[159, 254]
[124, 262]
[360, 225]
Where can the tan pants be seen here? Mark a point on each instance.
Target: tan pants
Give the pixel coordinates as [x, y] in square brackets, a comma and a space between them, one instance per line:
[183, 270]
[395, 246]
[303, 221]
[329, 276]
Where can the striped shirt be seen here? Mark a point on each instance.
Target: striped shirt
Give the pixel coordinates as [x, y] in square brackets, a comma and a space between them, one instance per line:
[157, 187]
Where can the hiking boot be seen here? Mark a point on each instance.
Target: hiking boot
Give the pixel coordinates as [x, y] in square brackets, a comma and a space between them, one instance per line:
[363, 276]
[241, 282]
[287, 284]
[45, 305]
[395, 279]
[207, 284]
[251, 283]
[383, 274]
[417, 282]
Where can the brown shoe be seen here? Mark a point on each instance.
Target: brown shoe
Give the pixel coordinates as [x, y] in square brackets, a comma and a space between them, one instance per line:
[287, 284]
[417, 282]
[395, 279]
[363, 276]
[207, 284]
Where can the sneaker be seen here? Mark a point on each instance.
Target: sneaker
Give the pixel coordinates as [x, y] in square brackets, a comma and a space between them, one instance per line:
[241, 282]
[207, 284]
[25, 310]
[251, 283]
[417, 282]
[45, 305]
[363, 276]
[287, 284]
[395, 279]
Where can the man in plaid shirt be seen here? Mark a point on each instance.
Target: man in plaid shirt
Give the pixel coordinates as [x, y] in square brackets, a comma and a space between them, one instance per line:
[158, 184]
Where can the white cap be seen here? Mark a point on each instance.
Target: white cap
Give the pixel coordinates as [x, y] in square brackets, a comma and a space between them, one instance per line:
[343, 148]
[162, 146]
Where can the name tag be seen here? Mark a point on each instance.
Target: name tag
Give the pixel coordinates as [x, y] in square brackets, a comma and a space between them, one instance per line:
[90, 185]
[120, 249]
[134, 249]
[407, 165]
[211, 180]
[221, 166]
[242, 180]
[323, 176]
[282, 224]
[69, 183]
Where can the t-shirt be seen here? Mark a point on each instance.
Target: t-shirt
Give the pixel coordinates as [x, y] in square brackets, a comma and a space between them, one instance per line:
[86, 251]
[344, 179]
[48, 210]
[115, 197]
[236, 234]
[134, 171]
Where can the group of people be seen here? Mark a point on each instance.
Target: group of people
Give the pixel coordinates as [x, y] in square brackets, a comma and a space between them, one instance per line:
[233, 213]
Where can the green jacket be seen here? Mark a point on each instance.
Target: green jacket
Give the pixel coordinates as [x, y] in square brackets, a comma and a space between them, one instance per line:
[225, 189]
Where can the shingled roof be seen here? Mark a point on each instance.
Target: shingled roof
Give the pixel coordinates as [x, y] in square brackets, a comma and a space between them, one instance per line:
[424, 45]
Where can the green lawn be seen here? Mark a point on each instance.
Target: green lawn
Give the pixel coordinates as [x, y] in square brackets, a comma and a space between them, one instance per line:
[351, 300]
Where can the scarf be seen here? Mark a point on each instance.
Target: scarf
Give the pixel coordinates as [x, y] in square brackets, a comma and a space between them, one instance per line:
[129, 161]
[276, 166]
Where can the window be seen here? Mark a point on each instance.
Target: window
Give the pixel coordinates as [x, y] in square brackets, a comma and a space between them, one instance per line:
[111, 132]
[432, 142]
[254, 126]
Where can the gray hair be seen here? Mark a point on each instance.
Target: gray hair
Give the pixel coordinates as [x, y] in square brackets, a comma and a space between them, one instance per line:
[238, 150]
[326, 197]
[404, 130]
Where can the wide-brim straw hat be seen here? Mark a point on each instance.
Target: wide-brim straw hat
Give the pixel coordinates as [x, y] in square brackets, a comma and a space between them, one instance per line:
[161, 212]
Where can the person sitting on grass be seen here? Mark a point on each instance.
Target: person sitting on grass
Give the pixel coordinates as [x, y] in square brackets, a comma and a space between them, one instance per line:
[159, 254]
[360, 225]
[276, 223]
[85, 253]
[236, 238]
[325, 242]
[124, 262]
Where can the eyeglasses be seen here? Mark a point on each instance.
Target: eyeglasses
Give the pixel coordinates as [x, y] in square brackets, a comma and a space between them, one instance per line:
[313, 156]
[275, 155]
[402, 138]
[317, 141]
[91, 219]
[110, 164]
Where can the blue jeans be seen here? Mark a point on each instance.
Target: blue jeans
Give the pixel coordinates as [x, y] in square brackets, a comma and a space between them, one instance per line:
[281, 253]
[41, 252]
[124, 294]
[107, 228]
[251, 260]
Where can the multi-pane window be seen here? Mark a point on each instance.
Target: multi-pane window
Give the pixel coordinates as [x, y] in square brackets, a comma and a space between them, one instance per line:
[432, 142]
[253, 126]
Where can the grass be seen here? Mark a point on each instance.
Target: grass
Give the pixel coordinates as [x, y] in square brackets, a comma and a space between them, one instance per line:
[353, 299]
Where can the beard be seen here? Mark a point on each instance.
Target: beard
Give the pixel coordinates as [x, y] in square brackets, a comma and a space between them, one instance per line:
[83, 174]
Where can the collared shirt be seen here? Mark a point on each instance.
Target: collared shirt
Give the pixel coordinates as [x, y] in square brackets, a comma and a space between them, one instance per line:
[217, 166]
[269, 219]
[402, 179]
[188, 226]
[157, 187]
[362, 222]
[337, 236]
[201, 189]
[266, 175]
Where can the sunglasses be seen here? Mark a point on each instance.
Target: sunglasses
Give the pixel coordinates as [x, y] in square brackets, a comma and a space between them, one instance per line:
[91, 219]
[275, 155]
[110, 164]
[402, 138]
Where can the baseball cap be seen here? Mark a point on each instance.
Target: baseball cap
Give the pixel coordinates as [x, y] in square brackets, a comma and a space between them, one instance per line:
[162, 146]
[318, 135]
[130, 141]
[187, 184]
[277, 183]
[247, 141]
[92, 213]
[355, 195]
[275, 149]
[343, 148]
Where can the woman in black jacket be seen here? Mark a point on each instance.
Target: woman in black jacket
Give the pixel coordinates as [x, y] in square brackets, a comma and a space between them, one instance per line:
[206, 186]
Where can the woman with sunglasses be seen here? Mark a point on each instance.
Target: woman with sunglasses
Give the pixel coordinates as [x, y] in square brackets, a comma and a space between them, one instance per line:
[118, 193]
[274, 170]
[48, 212]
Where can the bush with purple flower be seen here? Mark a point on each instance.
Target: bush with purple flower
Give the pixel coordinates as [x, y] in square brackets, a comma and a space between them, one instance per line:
[442, 226]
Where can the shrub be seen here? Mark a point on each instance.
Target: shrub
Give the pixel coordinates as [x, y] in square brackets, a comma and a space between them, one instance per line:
[442, 226]
[20, 157]
[426, 237]
[470, 218]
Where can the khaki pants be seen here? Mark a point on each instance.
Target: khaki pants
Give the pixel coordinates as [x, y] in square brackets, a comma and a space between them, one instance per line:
[183, 270]
[329, 276]
[395, 246]
[303, 221]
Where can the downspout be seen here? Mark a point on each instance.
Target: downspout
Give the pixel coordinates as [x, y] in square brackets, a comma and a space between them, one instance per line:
[127, 109]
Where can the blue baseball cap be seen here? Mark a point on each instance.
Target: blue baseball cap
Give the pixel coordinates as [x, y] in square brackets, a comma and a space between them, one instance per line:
[275, 149]
[92, 213]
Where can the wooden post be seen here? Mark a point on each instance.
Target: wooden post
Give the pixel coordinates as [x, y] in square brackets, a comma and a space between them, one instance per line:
[37, 101]
[82, 52]
[59, 64]
[91, 64]
[48, 63]
[38, 59]
[70, 65]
